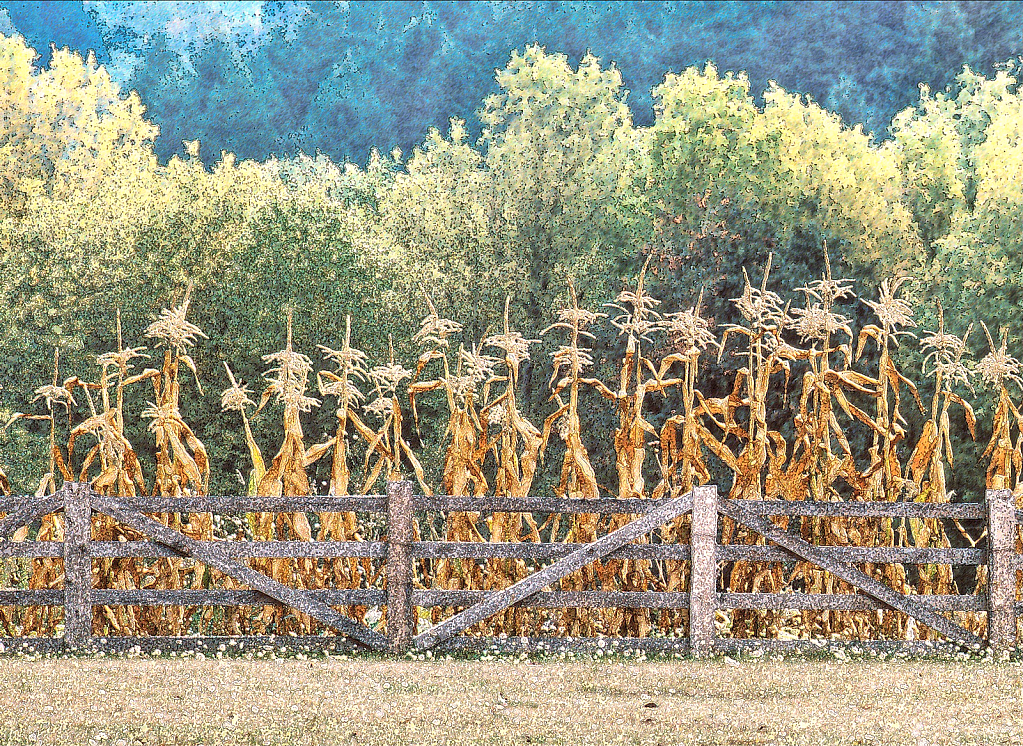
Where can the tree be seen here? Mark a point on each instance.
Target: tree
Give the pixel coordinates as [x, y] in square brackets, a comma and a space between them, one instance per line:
[439, 213]
[732, 182]
[565, 161]
[78, 182]
[960, 157]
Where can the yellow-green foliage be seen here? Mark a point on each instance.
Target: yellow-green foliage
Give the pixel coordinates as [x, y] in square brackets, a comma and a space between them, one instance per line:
[792, 163]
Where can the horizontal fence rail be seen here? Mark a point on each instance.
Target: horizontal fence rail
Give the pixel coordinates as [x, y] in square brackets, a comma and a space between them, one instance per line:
[494, 550]
[378, 504]
[400, 553]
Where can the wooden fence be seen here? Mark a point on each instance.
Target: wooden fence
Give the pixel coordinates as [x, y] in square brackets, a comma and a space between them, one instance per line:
[400, 552]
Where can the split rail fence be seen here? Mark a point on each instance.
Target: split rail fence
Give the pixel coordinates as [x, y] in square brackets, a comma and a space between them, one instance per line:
[399, 551]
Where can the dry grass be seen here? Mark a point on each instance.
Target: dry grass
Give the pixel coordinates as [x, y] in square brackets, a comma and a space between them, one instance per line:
[370, 701]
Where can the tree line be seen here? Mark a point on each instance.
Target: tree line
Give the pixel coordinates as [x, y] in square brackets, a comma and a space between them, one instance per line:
[562, 184]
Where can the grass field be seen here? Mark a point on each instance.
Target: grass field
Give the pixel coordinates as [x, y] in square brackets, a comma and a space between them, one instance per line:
[122, 702]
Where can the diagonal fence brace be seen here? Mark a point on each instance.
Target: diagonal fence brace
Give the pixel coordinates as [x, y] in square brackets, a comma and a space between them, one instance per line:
[293, 597]
[501, 600]
[848, 573]
[25, 514]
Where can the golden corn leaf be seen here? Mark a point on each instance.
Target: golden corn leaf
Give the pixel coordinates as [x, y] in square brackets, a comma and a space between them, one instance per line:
[924, 451]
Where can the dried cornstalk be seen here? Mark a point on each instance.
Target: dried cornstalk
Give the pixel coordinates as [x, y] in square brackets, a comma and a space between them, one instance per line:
[578, 480]
[883, 479]
[934, 448]
[235, 399]
[343, 384]
[817, 427]
[682, 462]
[119, 474]
[6, 612]
[466, 447]
[387, 444]
[637, 321]
[286, 475]
[47, 572]
[814, 465]
[182, 464]
[999, 369]
[517, 448]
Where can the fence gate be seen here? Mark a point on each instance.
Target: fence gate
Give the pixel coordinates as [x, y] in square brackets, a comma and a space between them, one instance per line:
[500, 600]
[850, 574]
[79, 500]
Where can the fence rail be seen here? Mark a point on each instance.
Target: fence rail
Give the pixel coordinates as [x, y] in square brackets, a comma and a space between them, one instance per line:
[488, 503]
[400, 553]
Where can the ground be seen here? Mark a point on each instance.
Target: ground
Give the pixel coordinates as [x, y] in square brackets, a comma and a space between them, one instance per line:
[134, 701]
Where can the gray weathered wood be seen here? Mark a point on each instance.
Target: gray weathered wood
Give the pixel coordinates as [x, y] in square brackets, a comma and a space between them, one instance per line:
[261, 504]
[839, 601]
[542, 599]
[850, 574]
[33, 597]
[703, 570]
[959, 511]
[680, 646]
[77, 563]
[401, 613]
[536, 582]
[218, 597]
[212, 646]
[378, 504]
[24, 514]
[209, 646]
[213, 557]
[7, 504]
[1001, 532]
[585, 645]
[488, 503]
[560, 599]
[241, 549]
[17, 502]
[488, 550]
[31, 549]
[534, 550]
[895, 555]
[32, 645]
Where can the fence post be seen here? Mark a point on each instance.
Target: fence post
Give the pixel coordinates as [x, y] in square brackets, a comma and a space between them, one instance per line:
[401, 622]
[1001, 538]
[703, 571]
[77, 564]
